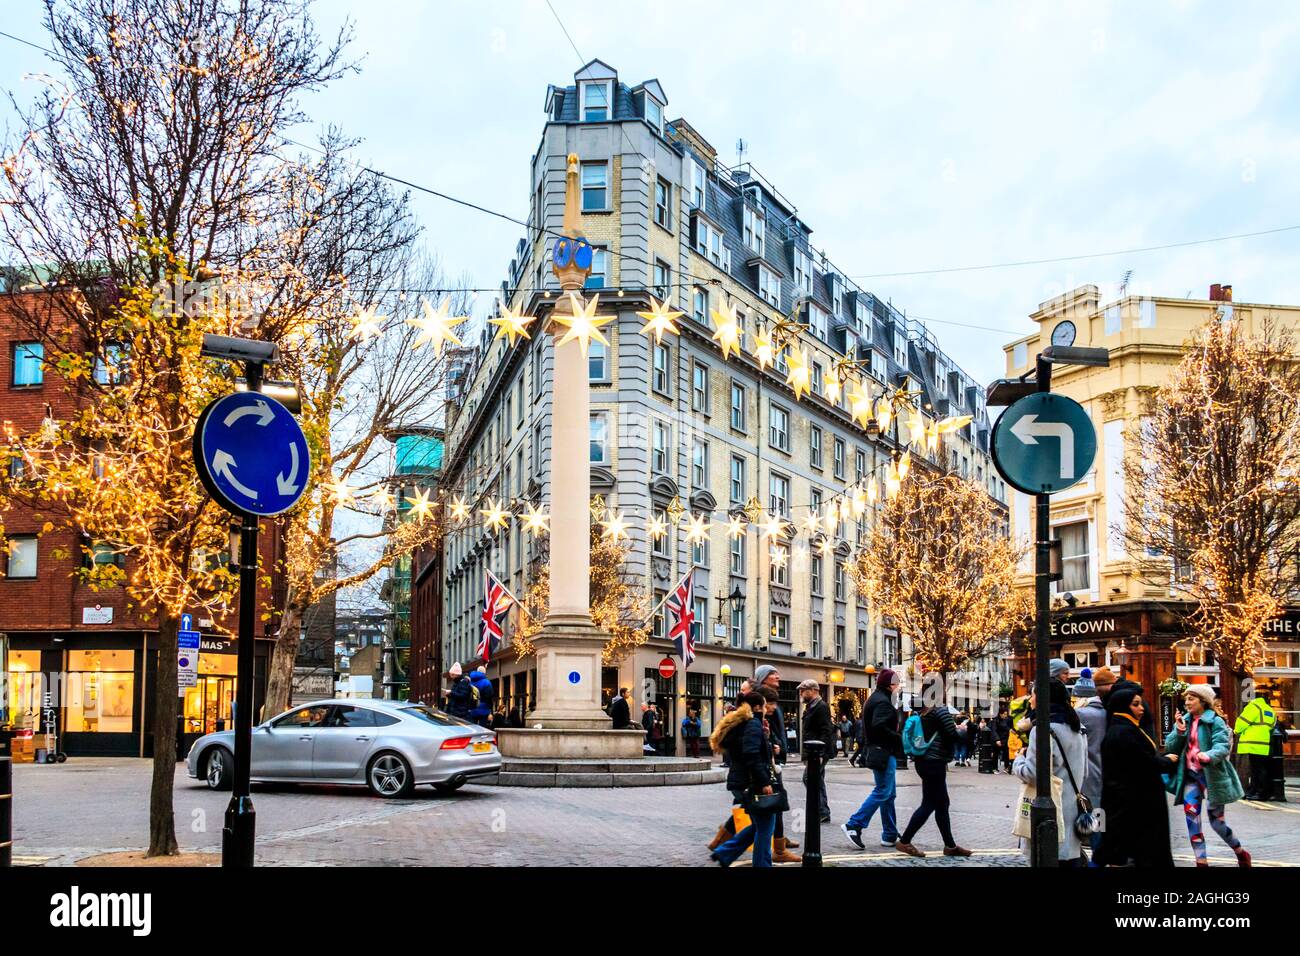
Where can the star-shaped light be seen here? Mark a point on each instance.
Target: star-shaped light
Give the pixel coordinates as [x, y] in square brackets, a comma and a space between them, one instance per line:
[915, 427]
[421, 506]
[753, 510]
[365, 324]
[656, 526]
[832, 520]
[904, 465]
[535, 521]
[736, 526]
[774, 525]
[597, 507]
[813, 523]
[659, 320]
[728, 333]
[697, 528]
[954, 423]
[511, 325]
[763, 353]
[584, 325]
[383, 499]
[495, 517]
[859, 503]
[932, 438]
[436, 325]
[675, 510]
[459, 509]
[873, 490]
[778, 556]
[860, 406]
[892, 481]
[615, 526]
[884, 413]
[831, 385]
[341, 492]
[825, 546]
[799, 375]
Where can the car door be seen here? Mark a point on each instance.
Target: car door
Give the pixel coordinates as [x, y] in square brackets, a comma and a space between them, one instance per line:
[282, 749]
[341, 746]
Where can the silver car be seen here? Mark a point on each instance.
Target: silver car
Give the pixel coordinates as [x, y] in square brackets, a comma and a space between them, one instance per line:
[389, 746]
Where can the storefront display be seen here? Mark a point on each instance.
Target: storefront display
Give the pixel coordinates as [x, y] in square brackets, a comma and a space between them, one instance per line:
[100, 691]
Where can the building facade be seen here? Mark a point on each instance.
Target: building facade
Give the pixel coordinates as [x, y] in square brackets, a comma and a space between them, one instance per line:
[1104, 610]
[676, 424]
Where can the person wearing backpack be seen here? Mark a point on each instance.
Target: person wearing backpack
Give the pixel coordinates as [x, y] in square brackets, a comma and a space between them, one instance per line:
[481, 708]
[928, 738]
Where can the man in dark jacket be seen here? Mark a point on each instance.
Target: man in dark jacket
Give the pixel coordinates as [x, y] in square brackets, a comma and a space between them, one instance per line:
[620, 711]
[460, 698]
[817, 725]
[884, 747]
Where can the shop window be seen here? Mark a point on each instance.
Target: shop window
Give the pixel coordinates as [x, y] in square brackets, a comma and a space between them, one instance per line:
[25, 687]
[101, 691]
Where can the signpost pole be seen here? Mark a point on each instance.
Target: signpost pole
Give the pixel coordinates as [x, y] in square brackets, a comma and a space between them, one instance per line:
[1043, 810]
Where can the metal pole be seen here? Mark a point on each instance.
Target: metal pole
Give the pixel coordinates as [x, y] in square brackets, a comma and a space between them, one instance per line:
[813, 757]
[241, 819]
[6, 797]
[1043, 810]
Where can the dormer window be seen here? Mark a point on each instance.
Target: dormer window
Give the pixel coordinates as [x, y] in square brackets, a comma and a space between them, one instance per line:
[595, 102]
[769, 285]
[654, 114]
[803, 272]
[817, 321]
[754, 229]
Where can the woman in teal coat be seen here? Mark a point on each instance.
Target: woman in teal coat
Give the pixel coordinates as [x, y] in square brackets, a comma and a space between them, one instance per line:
[1204, 772]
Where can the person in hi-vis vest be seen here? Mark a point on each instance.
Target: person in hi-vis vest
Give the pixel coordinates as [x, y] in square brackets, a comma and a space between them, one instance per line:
[1254, 729]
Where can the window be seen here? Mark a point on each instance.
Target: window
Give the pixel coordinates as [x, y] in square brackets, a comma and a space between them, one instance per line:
[599, 274]
[659, 597]
[839, 458]
[815, 573]
[803, 272]
[778, 492]
[22, 556]
[700, 387]
[659, 545]
[737, 480]
[700, 553]
[839, 581]
[110, 368]
[597, 362]
[737, 627]
[101, 694]
[700, 306]
[708, 242]
[537, 370]
[737, 406]
[779, 565]
[599, 438]
[1074, 557]
[659, 448]
[862, 645]
[595, 187]
[860, 464]
[105, 552]
[654, 114]
[769, 285]
[879, 366]
[519, 400]
[815, 447]
[780, 627]
[818, 321]
[662, 364]
[701, 620]
[754, 229]
[698, 181]
[839, 642]
[816, 638]
[663, 194]
[699, 463]
[595, 102]
[738, 556]
[29, 363]
[778, 427]
[900, 348]
[663, 280]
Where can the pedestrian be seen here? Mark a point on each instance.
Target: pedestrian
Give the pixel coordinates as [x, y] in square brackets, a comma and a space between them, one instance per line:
[781, 844]
[727, 829]
[767, 676]
[1092, 715]
[1068, 748]
[884, 745]
[1205, 774]
[962, 747]
[1133, 787]
[459, 698]
[1254, 730]
[928, 738]
[742, 736]
[620, 709]
[650, 724]
[1002, 731]
[515, 718]
[482, 707]
[691, 732]
[498, 719]
[1058, 670]
[817, 726]
[845, 729]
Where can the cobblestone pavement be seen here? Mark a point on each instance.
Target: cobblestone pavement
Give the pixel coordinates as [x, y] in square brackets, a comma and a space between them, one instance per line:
[66, 812]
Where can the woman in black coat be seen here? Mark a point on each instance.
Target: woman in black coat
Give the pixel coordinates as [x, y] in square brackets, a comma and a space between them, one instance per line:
[743, 735]
[1133, 788]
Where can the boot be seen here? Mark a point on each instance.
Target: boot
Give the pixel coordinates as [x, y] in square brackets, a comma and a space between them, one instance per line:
[789, 841]
[721, 837]
[1243, 858]
[780, 853]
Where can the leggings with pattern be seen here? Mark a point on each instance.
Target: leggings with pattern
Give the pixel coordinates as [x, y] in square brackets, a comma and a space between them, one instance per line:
[1195, 790]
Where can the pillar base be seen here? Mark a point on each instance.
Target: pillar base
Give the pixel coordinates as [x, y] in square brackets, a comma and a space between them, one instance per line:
[564, 743]
[568, 677]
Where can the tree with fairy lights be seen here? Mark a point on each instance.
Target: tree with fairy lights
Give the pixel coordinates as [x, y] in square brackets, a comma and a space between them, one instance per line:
[1212, 509]
[937, 562]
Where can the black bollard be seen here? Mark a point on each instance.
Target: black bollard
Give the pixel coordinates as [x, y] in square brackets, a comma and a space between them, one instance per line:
[6, 797]
[813, 757]
[988, 760]
[1276, 766]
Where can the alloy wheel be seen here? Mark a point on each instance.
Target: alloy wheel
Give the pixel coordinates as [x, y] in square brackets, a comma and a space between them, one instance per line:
[388, 775]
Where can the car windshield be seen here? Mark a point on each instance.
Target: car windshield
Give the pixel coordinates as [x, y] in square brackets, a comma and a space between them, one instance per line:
[436, 717]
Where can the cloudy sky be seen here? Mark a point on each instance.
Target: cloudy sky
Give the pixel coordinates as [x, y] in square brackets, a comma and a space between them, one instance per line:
[911, 137]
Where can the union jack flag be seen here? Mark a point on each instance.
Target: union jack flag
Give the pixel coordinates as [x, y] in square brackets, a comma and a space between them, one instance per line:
[681, 606]
[496, 602]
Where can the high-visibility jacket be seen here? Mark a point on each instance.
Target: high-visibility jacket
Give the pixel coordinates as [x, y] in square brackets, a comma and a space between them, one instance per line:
[1254, 727]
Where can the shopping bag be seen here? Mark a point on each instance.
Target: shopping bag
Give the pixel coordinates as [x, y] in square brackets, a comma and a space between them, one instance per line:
[1022, 827]
[741, 820]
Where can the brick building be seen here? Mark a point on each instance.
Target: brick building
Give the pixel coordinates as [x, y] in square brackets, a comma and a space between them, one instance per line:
[92, 653]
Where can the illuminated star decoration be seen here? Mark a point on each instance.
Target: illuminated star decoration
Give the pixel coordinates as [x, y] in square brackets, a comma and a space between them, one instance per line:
[778, 557]
[584, 325]
[873, 490]
[763, 348]
[753, 510]
[365, 324]
[736, 526]
[915, 427]
[656, 527]
[799, 376]
[884, 413]
[436, 325]
[825, 546]
[383, 499]
[459, 509]
[659, 320]
[860, 402]
[341, 492]
[774, 525]
[812, 524]
[831, 384]
[904, 465]
[832, 520]
[697, 528]
[421, 506]
[728, 332]
[954, 423]
[597, 507]
[615, 526]
[495, 517]
[535, 521]
[675, 510]
[511, 324]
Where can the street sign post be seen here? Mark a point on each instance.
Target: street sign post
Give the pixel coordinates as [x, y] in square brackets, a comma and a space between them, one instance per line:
[1044, 443]
[187, 657]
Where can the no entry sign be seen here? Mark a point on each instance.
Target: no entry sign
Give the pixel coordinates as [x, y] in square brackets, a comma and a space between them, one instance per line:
[667, 668]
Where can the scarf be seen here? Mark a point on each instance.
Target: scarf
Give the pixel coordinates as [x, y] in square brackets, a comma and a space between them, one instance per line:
[1133, 720]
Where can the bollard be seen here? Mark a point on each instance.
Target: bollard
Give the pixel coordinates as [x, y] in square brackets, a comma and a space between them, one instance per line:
[812, 757]
[988, 758]
[1277, 765]
[6, 797]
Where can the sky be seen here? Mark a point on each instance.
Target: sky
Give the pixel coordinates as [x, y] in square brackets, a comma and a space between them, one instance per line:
[911, 137]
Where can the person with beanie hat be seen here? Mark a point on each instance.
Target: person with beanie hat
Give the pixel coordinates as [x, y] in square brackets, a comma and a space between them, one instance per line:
[1068, 756]
[460, 698]
[1084, 686]
[884, 748]
[1132, 787]
[1092, 715]
[1057, 669]
[1202, 743]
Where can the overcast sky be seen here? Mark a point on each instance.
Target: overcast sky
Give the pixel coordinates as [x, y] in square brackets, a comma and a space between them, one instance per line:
[910, 136]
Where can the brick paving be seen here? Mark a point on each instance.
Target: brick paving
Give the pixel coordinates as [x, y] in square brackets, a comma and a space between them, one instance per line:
[87, 806]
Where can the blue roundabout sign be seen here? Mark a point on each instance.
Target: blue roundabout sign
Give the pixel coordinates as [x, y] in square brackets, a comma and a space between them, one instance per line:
[251, 454]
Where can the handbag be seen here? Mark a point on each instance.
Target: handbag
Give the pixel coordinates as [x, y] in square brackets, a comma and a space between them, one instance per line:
[763, 802]
[1086, 823]
[877, 757]
[1024, 808]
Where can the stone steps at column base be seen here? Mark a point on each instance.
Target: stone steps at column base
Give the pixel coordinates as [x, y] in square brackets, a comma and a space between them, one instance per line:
[646, 772]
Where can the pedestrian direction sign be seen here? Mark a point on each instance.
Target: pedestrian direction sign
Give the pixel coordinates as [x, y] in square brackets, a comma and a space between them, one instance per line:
[187, 656]
[1044, 443]
[251, 454]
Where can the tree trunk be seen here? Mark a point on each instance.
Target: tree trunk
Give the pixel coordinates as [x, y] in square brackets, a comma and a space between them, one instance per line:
[1230, 693]
[162, 815]
[279, 679]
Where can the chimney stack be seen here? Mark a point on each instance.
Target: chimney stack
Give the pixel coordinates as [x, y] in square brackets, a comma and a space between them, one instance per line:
[1220, 293]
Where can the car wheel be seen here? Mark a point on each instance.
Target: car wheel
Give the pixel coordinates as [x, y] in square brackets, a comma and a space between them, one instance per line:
[449, 787]
[389, 775]
[220, 771]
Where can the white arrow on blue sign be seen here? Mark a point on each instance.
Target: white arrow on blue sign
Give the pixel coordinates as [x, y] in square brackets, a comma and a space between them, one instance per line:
[1044, 443]
[251, 454]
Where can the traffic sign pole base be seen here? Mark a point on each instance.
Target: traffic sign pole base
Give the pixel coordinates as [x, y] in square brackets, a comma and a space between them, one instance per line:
[238, 833]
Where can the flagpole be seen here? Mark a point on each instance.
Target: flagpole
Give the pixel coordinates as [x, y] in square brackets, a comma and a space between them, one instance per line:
[649, 618]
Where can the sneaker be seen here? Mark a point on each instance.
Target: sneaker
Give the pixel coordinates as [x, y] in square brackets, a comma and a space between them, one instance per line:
[826, 819]
[718, 860]
[855, 836]
[907, 848]
[889, 843]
